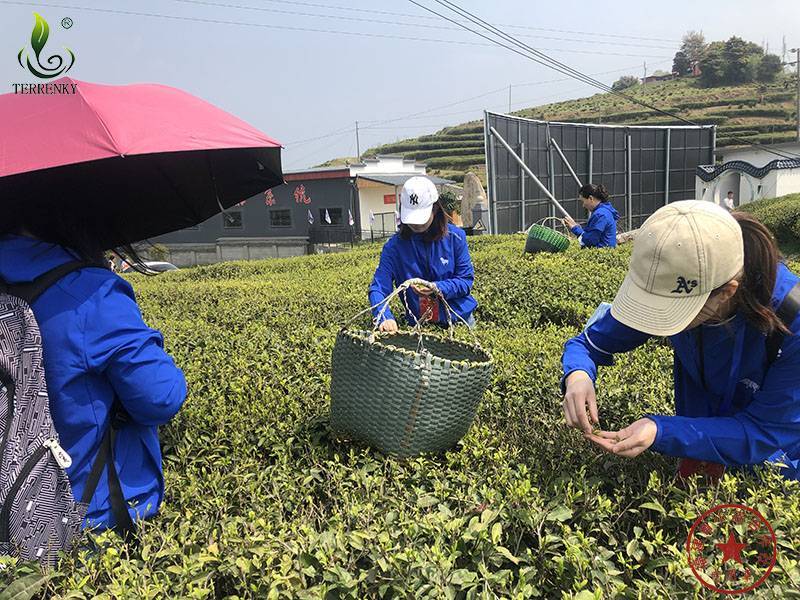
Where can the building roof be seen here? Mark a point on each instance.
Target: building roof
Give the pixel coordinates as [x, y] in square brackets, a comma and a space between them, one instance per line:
[317, 173]
[709, 172]
[400, 179]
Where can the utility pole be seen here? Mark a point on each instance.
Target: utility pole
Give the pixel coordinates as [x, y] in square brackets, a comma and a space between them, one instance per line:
[797, 64]
[358, 147]
[783, 50]
[509, 98]
[644, 76]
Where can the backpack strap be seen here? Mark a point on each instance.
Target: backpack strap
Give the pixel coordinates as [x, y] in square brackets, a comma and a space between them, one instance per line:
[105, 461]
[31, 290]
[787, 312]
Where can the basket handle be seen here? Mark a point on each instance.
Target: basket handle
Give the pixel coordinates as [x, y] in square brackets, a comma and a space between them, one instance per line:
[384, 305]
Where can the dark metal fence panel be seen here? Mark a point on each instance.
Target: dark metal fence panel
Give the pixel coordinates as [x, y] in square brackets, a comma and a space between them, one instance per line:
[663, 161]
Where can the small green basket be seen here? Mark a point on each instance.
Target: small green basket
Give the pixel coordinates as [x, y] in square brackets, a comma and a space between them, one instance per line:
[544, 239]
[406, 393]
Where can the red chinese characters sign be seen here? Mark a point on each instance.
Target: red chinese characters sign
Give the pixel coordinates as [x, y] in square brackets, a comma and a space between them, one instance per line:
[388, 199]
[300, 195]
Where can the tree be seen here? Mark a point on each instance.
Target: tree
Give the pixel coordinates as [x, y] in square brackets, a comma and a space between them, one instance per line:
[712, 65]
[694, 47]
[741, 60]
[625, 82]
[769, 68]
[681, 65]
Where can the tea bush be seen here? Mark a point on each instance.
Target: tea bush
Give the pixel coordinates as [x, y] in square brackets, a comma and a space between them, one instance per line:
[263, 502]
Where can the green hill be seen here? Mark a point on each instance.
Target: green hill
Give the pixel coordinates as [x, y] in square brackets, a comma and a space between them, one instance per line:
[751, 112]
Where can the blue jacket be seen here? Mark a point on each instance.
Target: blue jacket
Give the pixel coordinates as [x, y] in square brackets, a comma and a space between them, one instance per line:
[762, 422]
[446, 263]
[95, 346]
[601, 230]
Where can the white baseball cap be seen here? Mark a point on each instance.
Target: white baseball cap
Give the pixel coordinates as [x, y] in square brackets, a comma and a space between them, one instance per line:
[681, 254]
[416, 200]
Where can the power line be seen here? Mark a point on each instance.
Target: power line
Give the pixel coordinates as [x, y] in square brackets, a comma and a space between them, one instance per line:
[418, 16]
[545, 60]
[395, 23]
[288, 27]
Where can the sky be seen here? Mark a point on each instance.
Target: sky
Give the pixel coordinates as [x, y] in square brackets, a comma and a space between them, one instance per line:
[304, 71]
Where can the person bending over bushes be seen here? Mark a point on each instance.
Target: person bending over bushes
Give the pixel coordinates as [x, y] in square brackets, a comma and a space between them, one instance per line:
[425, 247]
[102, 365]
[601, 230]
[713, 283]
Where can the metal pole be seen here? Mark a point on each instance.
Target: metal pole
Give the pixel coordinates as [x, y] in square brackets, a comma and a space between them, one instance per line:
[358, 146]
[628, 185]
[591, 162]
[551, 170]
[522, 185]
[666, 170]
[493, 204]
[566, 162]
[529, 172]
[797, 50]
[486, 156]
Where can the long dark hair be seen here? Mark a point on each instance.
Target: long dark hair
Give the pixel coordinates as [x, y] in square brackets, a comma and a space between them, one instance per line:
[436, 231]
[599, 191]
[754, 294]
[58, 225]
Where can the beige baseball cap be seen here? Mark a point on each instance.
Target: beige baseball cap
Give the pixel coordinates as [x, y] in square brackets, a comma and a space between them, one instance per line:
[681, 254]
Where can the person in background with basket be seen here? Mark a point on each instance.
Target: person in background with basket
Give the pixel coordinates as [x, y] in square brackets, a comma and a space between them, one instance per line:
[426, 247]
[713, 283]
[601, 230]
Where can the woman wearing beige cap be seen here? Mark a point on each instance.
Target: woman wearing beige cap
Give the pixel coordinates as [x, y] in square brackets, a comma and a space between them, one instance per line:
[713, 283]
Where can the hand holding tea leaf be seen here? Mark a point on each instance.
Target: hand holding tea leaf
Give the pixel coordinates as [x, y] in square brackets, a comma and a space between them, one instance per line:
[629, 442]
[423, 290]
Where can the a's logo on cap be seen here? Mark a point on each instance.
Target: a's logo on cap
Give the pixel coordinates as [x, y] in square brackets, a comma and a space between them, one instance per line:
[413, 199]
[685, 286]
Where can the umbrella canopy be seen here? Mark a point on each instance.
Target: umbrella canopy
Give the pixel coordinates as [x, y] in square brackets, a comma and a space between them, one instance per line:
[132, 161]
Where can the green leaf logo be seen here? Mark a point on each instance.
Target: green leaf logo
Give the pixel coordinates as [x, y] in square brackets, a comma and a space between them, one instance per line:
[52, 66]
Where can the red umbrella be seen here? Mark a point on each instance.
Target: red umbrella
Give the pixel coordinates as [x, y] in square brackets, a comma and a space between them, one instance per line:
[133, 161]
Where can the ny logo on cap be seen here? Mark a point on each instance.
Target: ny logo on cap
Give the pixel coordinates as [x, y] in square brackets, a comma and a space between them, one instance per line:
[413, 199]
[685, 286]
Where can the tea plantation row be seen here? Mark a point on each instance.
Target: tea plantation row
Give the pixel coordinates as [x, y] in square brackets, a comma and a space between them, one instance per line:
[263, 502]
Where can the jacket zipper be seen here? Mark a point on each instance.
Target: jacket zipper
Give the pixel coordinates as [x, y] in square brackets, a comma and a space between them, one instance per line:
[5, 512]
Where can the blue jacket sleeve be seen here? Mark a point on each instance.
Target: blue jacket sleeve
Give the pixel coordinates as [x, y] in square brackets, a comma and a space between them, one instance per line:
[597, 344]
[383, 282]
[118, 344]
[770, 422]
[577, 230]
[593, 233]
[460, 284]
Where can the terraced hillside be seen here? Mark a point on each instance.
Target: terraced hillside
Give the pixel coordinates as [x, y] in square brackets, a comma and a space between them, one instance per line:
[751, 112]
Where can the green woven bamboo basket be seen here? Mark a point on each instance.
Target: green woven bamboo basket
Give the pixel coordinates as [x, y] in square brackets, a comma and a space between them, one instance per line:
[406, 393]
[544, 239]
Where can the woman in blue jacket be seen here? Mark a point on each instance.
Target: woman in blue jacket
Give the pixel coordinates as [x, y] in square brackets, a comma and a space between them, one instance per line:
[601, 230]
[96, 349]
[711, 282]
[426, 247]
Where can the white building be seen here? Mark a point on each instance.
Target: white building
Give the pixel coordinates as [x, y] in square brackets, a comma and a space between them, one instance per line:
[379, 181]
[751, 173]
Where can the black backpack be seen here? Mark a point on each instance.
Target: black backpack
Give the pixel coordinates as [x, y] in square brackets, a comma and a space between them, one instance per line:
[38, 514]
